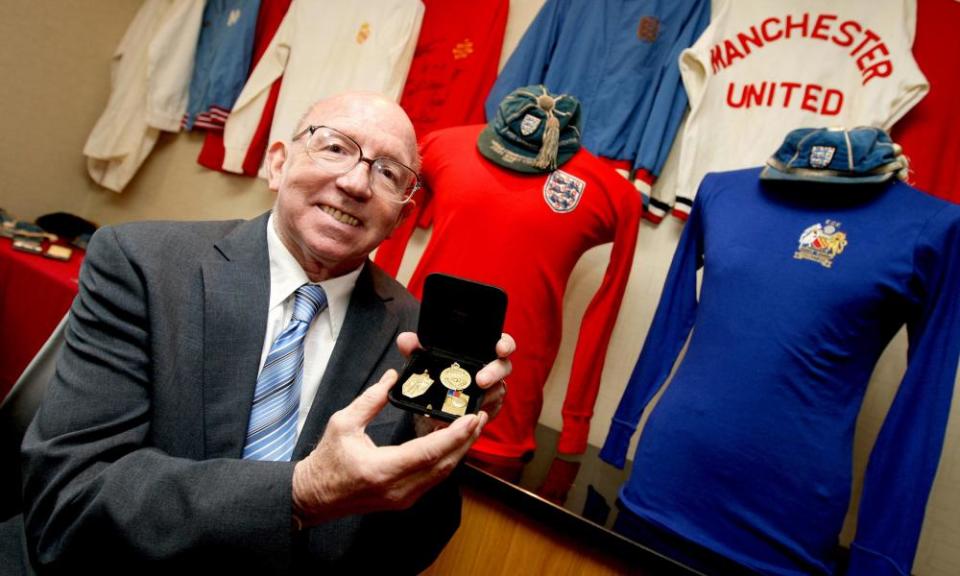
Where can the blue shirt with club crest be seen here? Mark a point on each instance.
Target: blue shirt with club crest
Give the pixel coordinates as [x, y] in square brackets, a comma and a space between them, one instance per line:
[748, 451]
[620, 59]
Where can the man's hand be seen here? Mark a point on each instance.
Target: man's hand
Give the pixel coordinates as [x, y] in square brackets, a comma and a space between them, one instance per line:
[348, 474]
[490, 377]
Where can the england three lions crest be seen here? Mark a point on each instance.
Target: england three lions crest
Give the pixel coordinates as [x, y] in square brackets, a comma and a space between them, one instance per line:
[562, 191]
[821, 243]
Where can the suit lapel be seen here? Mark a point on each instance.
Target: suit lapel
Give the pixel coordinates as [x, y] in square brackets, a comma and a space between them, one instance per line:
[236, 297]
[367, 333]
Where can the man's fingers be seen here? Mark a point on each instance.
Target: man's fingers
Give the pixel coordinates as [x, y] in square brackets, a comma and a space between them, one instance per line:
[498, 369]
[506, 345]
[493, 399]
[367, 405]
[426, 478]
[408, 343]
[494, 372]
[443, 447]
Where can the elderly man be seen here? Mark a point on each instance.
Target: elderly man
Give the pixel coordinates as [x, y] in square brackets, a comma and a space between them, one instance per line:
[221, 397]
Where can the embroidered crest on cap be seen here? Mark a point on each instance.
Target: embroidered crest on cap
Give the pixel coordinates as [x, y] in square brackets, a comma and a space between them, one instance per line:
[463, 49]
[648, 29]
[821, 243]
[363, 33]
[562, 191]
[820, 156]
[529, 124]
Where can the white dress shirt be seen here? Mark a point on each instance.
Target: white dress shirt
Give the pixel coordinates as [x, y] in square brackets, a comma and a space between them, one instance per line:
[286, 276]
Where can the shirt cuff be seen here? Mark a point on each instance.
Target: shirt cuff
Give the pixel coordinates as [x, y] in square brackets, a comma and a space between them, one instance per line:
[573, 437]
[866, 562]
[614, 451]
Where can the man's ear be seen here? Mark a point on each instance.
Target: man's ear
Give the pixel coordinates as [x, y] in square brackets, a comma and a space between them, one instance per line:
[406, 210]
[276, 158]
[402, 216]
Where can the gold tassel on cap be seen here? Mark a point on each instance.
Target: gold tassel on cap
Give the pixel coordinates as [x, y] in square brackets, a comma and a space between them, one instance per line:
[547, 158]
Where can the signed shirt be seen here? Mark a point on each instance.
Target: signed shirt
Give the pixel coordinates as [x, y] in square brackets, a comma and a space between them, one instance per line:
[748, 451]
[455, 63]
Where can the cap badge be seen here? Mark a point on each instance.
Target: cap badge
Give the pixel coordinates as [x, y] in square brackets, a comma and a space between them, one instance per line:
[820, 156]
[529, 124]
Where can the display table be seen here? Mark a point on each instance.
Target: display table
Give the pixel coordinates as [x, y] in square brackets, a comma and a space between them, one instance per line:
[35, 293]
[507, 530]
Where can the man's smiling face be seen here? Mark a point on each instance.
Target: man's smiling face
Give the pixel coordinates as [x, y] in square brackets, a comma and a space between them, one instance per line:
[329, 222]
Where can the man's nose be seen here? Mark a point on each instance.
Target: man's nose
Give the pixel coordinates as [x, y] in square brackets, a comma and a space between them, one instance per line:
[356, 181]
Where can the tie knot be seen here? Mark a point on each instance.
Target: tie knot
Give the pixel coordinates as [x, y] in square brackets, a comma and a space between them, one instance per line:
[310, 299]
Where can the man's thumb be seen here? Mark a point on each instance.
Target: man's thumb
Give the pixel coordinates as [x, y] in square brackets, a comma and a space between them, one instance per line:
[373, 399]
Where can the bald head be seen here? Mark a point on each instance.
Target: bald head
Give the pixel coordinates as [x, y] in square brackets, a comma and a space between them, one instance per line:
[369, 112]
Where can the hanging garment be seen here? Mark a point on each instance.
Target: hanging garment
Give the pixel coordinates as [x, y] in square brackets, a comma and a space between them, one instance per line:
[322, 49]
[524, 233]
[619, 58]
[211, 155]
[455, 63]
[222, 62]
[786, 65]
[748, 451]
[149, 81]
[930, 133]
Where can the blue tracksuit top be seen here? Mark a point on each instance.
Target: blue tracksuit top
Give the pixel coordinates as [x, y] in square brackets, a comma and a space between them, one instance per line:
[748, 451]
[620, 59]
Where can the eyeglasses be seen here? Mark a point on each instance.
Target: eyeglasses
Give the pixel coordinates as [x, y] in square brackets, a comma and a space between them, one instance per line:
[338, 153]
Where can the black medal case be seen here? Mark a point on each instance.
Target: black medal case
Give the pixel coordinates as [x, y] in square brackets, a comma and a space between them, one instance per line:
[459, 325]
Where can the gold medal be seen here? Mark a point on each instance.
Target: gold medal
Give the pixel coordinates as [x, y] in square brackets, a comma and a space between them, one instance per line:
[454, 377]
[455, 403]
[416, 384]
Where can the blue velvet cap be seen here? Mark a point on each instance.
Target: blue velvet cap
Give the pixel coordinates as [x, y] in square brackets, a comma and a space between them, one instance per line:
[835, 155]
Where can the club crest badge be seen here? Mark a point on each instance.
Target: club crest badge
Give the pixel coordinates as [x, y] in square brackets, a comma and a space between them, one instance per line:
[363, 33]
[529, 124]
[648, 29]
[463, 49]
[820, 156]
[233, 17]
[562, 191]
[821, 243]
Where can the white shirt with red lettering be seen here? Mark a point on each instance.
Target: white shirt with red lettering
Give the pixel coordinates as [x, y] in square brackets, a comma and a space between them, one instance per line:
[763, 68]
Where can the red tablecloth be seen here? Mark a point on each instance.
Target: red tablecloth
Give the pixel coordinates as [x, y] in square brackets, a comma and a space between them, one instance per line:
[35, 293]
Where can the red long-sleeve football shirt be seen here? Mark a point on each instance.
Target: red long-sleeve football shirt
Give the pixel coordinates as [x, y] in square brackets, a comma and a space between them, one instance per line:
[525, 233]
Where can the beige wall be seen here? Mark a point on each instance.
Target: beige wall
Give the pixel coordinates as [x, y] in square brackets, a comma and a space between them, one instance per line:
[55, 68]
[55, 64]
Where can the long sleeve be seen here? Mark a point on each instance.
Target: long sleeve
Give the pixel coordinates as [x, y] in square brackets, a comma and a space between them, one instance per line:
[662, 117]
[170, 65]
[90, 473]
[668, 332]
[528, 63]
[251, 103]
[123, 136]
[598, 323]
[904, 459]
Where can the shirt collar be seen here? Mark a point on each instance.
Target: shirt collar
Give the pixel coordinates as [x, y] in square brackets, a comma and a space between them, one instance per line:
[286, 276]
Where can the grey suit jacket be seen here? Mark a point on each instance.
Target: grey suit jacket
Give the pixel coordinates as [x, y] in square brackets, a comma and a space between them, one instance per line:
[133, 459]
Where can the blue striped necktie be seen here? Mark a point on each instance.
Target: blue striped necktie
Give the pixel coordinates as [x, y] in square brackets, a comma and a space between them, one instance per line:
[272, 432]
